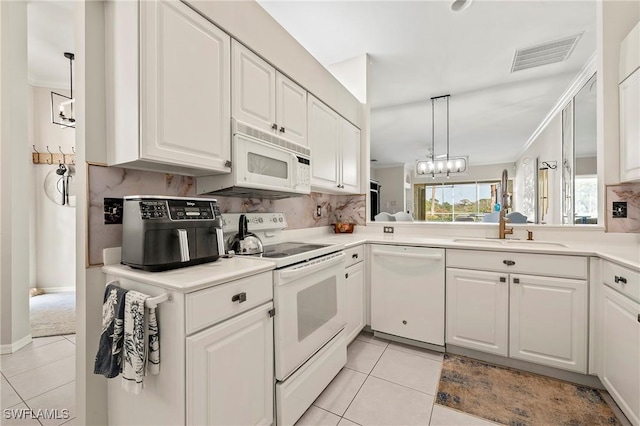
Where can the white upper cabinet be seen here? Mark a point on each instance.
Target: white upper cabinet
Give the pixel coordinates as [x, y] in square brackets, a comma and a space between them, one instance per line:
[264, 98]
[350, 157]
[335, 150]
[324, 134]
[173, 112]
[630, 128]
[291, 110]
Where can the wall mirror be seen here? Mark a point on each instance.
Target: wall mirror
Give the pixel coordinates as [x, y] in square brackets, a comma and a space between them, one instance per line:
[579, 158]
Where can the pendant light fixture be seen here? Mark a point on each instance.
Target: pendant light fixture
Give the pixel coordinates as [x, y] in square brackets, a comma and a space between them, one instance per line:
[61, 105]
[436, 165]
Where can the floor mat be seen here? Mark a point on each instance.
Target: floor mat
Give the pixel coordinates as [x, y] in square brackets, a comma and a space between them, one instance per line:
[515, 397]
[53, 314]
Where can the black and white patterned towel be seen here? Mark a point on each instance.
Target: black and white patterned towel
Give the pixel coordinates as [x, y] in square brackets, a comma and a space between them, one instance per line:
[135, 354]
[109, 356]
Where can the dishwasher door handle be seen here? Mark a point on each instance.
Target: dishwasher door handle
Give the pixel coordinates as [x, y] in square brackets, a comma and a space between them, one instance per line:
[408, 255]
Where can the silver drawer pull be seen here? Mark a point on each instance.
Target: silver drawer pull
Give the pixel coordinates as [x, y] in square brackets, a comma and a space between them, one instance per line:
[509, 262]
[516, 280]
[620, 279]
[240, 297]
[503, 279]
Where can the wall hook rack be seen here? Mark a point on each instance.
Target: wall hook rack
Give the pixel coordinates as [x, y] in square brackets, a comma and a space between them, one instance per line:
[53, 158]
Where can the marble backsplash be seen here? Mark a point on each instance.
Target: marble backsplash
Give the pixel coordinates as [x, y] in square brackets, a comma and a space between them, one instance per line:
[630, 193]
[115, 182]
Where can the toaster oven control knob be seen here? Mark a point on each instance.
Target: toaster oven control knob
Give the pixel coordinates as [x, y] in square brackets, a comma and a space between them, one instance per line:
[260, 220]
[280, 219]
[275, 220]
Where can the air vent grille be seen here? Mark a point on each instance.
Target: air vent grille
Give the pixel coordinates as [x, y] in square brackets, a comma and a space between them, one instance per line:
[266, 137]
[544, 54]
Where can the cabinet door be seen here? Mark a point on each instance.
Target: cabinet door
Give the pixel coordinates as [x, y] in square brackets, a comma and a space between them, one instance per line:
[230, 371]
[324, 132]
[630, 128]
[620, 350]
[254, 89]
[350, 158]
[355, 300]
[185, 87]
[478, 310]
[548, 321]
[291, 110]
[407, 292]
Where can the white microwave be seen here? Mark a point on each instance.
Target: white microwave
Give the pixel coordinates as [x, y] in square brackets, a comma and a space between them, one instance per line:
[262, 165]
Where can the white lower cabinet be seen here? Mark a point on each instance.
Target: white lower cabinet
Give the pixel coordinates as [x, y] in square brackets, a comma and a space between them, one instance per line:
[230, 377]
[354, 279]
[478, 310]
[539, 319]
[548, 321]
[620, 350]
[407, 292]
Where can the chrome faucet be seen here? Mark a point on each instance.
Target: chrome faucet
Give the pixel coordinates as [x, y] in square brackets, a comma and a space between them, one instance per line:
[503, 230]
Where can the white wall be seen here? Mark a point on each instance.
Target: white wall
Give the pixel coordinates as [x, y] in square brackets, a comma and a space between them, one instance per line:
[54, 226]
[15, 180]
[546, 147]
[91, 389]
[392, 192]
[586, 166]
[352, 73]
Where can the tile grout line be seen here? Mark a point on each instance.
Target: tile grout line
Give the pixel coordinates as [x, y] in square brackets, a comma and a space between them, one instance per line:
[51, 390]
[365, 380]
[43, 365]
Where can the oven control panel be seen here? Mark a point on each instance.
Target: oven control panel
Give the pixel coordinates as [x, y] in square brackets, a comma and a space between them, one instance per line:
[255, 221]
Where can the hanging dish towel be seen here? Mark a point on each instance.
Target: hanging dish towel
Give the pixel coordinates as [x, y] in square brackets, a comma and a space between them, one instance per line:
[134, 345]
[109, 356]
[154, 343]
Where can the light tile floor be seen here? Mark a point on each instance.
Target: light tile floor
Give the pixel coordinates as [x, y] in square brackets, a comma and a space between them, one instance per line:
[385, 383]
[40, 376]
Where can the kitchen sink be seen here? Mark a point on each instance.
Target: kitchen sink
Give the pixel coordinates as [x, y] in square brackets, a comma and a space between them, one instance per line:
[509, 243]
[539, 244]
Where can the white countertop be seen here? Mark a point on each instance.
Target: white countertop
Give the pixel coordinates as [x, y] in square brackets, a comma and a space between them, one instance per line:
[194, 278]
[628, 256]
[224, 270]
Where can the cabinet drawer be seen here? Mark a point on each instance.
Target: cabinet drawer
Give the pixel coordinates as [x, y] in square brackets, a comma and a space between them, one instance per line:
[523, 263]
[353, 255]
[622, 279]
[212, 305]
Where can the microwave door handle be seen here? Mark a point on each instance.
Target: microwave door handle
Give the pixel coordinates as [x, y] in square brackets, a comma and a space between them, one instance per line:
[184, 245]
[294, 171]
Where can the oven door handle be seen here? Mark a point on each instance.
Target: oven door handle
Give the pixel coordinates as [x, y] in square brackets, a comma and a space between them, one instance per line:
[408, 255]
[304, 270]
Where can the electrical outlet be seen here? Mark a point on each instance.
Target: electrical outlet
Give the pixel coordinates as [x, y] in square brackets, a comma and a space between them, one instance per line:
[318, 211]
[113, 211]
[619, 209]
[388, 229]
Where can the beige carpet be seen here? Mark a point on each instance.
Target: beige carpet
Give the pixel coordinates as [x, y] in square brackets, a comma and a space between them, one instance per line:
[515, 397]
[53, 314]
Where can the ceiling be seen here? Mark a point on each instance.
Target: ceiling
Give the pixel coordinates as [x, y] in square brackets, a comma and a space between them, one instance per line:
[50, 33]
[420, 49]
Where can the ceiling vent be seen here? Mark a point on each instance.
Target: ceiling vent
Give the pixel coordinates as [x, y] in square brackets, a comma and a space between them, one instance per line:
[544, 54]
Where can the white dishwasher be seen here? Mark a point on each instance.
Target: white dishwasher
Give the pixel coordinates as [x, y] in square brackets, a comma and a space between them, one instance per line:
[407, 292]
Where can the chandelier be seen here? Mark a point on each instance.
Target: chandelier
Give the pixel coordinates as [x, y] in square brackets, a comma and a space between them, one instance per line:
[441, 164]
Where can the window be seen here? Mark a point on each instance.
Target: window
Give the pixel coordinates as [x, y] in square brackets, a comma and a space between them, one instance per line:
[586, 199]
[460, 202]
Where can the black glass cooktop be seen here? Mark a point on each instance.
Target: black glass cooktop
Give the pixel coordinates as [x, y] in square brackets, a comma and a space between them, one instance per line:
[289, 249]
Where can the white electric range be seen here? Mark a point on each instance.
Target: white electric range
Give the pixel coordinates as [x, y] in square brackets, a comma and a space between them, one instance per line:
[310, 301]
